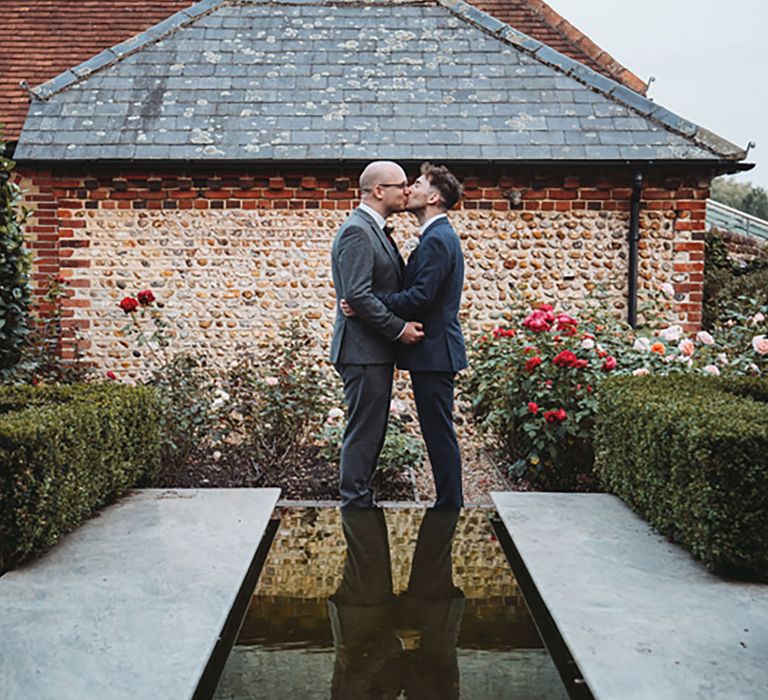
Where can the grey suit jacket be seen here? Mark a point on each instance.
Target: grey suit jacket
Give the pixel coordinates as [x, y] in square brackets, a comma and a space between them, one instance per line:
[365, 264]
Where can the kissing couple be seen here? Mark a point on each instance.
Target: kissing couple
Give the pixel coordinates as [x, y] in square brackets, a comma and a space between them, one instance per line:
[389, 312]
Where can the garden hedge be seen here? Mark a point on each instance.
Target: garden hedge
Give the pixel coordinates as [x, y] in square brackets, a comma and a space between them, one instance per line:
[690, 455]
[65, 451]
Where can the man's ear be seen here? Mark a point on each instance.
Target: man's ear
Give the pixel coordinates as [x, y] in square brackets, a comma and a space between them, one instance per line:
[434, 199]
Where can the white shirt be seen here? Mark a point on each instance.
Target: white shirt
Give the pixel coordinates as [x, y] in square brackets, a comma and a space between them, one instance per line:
[378, 218]
[380, 222]
[428, 222]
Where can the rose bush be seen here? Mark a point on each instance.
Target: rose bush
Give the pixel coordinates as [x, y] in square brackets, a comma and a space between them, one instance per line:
[532, 384]
[185, 384]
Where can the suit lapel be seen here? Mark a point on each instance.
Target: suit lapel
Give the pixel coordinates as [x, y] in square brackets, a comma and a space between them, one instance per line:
[392, 252]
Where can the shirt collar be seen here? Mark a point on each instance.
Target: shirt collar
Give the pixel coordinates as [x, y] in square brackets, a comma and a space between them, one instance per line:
[429, 222]
[378, 218]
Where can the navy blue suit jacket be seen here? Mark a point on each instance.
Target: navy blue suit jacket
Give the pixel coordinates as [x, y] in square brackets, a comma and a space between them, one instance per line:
[434, 280]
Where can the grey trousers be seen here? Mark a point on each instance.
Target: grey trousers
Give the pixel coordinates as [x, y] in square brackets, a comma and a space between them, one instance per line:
[367, 393]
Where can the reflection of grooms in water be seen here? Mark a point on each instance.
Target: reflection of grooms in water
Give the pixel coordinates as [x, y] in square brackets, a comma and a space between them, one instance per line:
[387, 644]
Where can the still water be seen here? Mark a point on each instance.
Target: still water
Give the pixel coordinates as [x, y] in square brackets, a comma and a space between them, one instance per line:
[393, 603]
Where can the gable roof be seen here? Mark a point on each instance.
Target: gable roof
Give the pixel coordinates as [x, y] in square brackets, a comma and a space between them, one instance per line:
[413, 79]
[41, 38]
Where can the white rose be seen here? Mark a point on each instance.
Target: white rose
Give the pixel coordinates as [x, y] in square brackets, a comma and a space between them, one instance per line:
[722, 358]
[271, 381]
[335, 414]
[671, 334]
[642, 345]
[759, 317]
[713, 370]
[587, 344]
[705, 338]
[397, 407]
[641, 371]
[760, 344]
[753, 368]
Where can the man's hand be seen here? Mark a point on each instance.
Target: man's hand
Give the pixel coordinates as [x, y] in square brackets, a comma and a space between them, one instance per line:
[413, 333]
[346, 309]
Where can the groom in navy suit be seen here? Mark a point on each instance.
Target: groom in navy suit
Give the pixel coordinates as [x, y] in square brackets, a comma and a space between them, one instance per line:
[433, 282]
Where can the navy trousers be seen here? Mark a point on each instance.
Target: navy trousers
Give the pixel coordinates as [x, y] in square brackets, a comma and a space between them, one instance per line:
[433, 392]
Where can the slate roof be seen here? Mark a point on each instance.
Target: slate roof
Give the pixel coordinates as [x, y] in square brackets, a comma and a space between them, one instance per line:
[41, 38]
[306, 79]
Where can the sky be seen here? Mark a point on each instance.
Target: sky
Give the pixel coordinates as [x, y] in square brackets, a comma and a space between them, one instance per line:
[709, 58]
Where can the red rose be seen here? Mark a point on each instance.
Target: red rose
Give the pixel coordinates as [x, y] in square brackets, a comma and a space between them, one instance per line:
[533, 407]
[557, 416]
[565, 359]
[129, 305]
[610, 363]
[111, 375]
[539, 321]
[146, 297]
[532, 363]
[59, 279]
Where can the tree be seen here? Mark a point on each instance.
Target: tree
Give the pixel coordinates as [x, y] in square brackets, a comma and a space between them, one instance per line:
[14, 268]
[743, 196]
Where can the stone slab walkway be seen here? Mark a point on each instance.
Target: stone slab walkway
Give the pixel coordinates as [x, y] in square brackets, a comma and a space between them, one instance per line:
[641, 618]
[131, 605]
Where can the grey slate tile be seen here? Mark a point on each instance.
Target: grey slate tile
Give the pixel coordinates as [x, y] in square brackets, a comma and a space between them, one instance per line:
[249, 81]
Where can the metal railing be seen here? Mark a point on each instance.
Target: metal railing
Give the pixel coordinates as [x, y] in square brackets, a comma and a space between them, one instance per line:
[729, 219]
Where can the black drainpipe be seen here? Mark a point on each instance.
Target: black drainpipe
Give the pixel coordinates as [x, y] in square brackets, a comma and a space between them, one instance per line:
[634, 237]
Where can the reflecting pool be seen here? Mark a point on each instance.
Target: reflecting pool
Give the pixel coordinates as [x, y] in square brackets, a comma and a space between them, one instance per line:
[392, 603]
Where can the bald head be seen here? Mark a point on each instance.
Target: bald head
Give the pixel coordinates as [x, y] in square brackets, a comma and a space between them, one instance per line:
[380, 172]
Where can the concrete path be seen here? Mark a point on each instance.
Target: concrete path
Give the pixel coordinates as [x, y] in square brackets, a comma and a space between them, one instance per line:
[132, 604]
[641, 618]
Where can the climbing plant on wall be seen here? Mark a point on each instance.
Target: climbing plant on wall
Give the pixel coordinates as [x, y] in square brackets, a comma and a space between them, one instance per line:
[14, 268]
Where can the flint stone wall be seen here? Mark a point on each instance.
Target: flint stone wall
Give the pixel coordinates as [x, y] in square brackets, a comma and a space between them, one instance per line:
[233, 259]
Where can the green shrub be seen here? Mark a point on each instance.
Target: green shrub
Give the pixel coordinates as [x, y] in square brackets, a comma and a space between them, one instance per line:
[14, 268]
[402, 448]
[65, 451]
[730, 287]
[275, 400]
[689, 455]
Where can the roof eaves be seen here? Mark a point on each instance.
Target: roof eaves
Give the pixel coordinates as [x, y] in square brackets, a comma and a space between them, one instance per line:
[107, 57]
[595, 81]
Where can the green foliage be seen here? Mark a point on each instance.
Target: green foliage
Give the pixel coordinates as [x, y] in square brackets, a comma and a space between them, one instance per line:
[688, 454]
[402, 449]
[65, 451]
[275, 400]
[41, 359]
[741, 195]
[14, 268]
[729, 286]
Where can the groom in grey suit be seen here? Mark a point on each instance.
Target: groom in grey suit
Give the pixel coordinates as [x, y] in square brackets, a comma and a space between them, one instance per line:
[366, 265]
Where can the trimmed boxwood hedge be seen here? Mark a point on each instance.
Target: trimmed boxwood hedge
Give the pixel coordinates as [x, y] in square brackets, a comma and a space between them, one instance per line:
[690, 455]
[65, 451]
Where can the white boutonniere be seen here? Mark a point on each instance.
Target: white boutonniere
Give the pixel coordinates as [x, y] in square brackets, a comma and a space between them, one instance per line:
[411, 244]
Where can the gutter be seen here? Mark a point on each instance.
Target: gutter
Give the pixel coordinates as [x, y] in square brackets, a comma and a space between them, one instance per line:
[634, 238]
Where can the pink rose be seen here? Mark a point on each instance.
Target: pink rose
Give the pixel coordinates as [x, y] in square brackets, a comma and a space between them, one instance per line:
[686, 347]
[705, 338]
[760, 344]
[610, 363]
[111, 375]
[641, 371]
[713, 370]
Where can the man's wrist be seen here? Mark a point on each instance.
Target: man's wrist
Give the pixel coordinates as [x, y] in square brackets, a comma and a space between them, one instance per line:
[400, 334]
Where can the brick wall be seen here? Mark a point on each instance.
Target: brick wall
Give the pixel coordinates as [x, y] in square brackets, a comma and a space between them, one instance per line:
[237, 253]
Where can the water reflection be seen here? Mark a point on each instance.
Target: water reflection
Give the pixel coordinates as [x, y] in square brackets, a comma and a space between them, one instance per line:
[394, 603]
[387, 644]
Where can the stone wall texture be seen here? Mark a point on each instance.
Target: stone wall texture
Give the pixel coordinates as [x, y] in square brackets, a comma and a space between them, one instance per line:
[234, 256]
[306, 560]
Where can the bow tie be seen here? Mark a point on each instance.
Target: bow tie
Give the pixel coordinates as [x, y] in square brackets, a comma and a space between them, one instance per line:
[388, 231]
